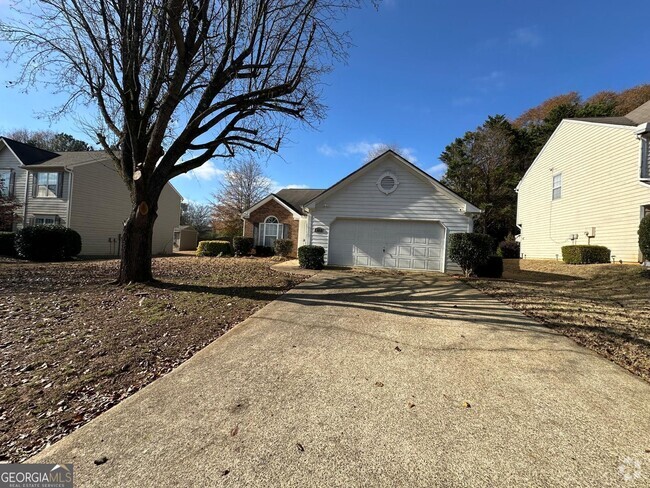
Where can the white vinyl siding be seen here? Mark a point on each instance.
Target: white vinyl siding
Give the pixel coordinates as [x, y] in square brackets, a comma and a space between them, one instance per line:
[600, 188]
[101, 203]
[414, 199]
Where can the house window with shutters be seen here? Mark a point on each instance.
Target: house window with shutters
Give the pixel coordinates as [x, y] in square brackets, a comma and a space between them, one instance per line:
[6, 183]
[48, 185]
[271, 230]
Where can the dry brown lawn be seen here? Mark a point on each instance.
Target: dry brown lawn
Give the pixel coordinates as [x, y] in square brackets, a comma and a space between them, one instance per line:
[605, 307]
[72, 345]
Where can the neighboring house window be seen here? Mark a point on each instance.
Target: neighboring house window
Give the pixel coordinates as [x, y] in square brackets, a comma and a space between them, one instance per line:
[48, 185]
[557, 186]
[45, 220]
[272, 229]
[6, 182]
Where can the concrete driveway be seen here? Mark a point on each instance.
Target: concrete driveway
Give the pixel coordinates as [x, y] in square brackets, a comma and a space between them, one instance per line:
[376, 379]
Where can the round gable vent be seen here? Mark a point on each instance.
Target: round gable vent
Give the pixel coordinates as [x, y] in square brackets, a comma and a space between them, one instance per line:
[387, 183]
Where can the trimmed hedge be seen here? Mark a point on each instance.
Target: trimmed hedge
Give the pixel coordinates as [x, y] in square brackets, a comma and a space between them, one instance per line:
[470, 250]
[214, 248]
[311, 257]
[7, 243]
[263, 251]
[47, 243]
[644, 237]
[283, 247]
[581, 254]
[492, 268]
[242, 246]
[509, 249]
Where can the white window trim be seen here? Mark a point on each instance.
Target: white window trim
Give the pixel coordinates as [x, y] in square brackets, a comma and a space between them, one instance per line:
[279, 229]
[8, 191]
[558, 187]
[53, 218]
[37, 184]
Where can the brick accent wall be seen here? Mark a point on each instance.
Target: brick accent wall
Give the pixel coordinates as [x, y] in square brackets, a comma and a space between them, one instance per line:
[282, 214]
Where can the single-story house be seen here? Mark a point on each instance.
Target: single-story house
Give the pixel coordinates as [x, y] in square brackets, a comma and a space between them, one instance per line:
[590, 184]
[81, 190]
[387, 214]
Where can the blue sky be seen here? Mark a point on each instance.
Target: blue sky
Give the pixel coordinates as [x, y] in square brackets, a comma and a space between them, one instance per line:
[422, 73]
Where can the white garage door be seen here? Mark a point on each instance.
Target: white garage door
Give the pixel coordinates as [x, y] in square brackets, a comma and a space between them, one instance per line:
[386, 244]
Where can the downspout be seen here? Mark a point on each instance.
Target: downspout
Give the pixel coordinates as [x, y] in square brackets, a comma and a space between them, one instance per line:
[26, 193]
[68, 222]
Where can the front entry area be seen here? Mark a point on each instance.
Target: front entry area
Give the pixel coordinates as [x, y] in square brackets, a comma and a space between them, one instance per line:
[400, 244]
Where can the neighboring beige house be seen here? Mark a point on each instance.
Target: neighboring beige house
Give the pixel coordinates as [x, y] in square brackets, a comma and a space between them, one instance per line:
[387, 214]
[81, 190]
[590, 184]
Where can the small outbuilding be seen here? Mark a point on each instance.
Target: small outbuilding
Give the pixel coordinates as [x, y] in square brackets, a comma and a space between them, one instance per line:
[186, 238]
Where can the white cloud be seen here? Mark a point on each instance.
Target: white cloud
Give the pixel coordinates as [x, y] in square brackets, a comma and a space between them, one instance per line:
[327, 150]
[363, 148]
[526, 36]
[296, 187]
[494, 79]
[206, 172]
[437, 170]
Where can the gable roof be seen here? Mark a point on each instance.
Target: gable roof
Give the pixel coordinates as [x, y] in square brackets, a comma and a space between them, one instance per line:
[469, 207]
[33, 157]
[26, 153]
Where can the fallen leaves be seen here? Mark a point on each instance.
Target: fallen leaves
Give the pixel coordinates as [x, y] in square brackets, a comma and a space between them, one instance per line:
[73, 346]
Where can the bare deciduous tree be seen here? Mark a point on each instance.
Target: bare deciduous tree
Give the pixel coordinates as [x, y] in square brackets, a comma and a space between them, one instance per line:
[198, 215]
[244, 183]
[179, 82]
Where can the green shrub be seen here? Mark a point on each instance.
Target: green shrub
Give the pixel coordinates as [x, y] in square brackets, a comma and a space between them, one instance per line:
[585, 254]
[263, 251]
[311, 257]
[644, 237]
[214, 248]
[242, 246]
[283, 247]
[470, 250]
[7, 243]
[47, 243]
[492, 268]
[509, 248]
[72, 243]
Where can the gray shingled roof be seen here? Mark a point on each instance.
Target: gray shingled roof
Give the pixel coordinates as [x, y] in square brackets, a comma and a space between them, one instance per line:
[73, 158]
[639, 115]
[297, 197]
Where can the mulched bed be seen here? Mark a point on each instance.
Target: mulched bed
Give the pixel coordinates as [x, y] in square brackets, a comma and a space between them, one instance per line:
[603, 307]
[72, 345]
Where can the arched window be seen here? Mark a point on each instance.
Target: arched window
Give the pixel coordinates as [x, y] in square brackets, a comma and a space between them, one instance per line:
[272, 229]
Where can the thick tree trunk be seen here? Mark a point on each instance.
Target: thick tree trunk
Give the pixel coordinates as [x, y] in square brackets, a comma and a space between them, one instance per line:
[137, 237]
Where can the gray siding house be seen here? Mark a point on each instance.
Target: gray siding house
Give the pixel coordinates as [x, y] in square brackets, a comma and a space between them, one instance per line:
[80, 190]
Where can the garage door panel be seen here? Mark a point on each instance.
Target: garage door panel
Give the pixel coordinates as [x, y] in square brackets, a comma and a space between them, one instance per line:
[386, 243]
